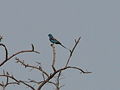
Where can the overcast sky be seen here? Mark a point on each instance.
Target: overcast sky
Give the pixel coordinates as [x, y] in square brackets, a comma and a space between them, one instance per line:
[23, 22]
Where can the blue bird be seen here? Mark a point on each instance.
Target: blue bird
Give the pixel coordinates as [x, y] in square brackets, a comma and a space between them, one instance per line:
[55, 41]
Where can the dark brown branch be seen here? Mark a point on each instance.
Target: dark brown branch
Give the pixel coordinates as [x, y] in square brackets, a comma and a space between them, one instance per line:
[12, 83]
[33, 81]
[24, 51]
[16, 81]
[1, 37]
[31, 66]
[57, 82]
[36, 82]
[60, 70]
[8, 58]
[77, 68]
[6, 51]
[26, 84]
[71, 53]
[9, 77]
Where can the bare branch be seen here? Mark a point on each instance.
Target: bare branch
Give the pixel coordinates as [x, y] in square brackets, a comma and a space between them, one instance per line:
[71, 52]
[6, 51]
[77, 68]
[58, 81]
[60, 70]
[33, 81]
[31, 66]
[27, 84]
[54, 57]
[8, 58]
[24, 51]
[1, 37]
[15, 81]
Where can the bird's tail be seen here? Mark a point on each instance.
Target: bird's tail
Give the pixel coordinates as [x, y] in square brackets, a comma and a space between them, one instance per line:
[65, 47]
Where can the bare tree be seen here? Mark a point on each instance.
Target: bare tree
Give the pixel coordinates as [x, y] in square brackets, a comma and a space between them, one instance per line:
[47, 77]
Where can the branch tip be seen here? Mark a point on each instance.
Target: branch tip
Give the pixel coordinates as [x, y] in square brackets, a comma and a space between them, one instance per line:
[32, 47]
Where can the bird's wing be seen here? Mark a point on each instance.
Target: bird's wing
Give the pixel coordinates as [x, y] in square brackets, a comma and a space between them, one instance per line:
[53, 40]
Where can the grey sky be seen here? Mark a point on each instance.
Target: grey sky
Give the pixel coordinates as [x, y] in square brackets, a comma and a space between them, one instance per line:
[23, 22]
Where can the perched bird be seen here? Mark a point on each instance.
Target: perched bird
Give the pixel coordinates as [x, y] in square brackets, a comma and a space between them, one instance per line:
[55, 41]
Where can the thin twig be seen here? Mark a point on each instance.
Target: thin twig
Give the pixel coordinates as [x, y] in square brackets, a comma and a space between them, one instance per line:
[31, 66]
[6, 51]
[16, 81]
[71, 53]
[58, 81]
[8, 58]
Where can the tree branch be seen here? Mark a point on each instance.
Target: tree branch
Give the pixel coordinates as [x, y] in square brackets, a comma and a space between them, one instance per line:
[54, 57]
[31, 66]
[60, 70]
[6, 51]
[8, 58]
[15, 81]
[71, 53]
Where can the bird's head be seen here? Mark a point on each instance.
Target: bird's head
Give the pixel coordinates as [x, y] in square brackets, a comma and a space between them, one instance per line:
[50, 36]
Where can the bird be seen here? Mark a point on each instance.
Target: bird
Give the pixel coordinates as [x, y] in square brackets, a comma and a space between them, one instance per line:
[55, 41]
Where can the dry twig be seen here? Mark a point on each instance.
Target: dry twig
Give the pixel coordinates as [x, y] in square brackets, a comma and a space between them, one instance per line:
[71, 52]
[15, 81]
[7, 58]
